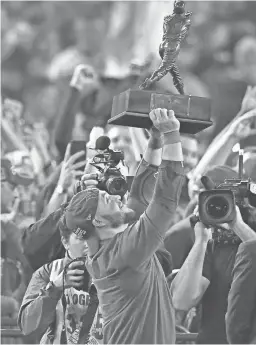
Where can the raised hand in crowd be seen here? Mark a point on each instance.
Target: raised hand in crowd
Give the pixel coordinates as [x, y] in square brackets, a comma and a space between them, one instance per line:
[68, 174]
[69, 169]
[84, 79]
[84, 82]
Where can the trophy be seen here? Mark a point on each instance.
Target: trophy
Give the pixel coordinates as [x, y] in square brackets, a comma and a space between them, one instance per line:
[132, 107]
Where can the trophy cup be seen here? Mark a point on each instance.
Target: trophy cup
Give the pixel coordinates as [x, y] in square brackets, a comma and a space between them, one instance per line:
[132, 107]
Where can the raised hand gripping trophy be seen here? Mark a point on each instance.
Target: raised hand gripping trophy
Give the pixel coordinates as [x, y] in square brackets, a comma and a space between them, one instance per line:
[131, 108]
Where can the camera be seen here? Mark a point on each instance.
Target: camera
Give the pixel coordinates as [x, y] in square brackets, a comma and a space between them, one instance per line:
[217, 206]
[111, 180]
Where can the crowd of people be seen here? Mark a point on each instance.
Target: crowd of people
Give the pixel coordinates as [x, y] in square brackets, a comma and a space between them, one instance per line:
[81, 264]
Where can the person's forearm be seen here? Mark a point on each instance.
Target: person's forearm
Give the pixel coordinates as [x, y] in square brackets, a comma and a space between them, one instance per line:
[144, 181]
[225, 129]
[186, 286]
[244, 232]
[169, 182]
[66, 120]
[153, 152]
[35, 317]
[55, 202]
[172, 149]
[216, 154]
[40, 232]
[142, 188]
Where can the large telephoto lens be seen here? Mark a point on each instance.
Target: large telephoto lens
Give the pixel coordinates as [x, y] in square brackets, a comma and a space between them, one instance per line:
[217, 207]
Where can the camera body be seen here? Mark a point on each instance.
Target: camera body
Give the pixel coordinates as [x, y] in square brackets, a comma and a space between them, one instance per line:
[106, 161]
[112, 181]
[218, 205]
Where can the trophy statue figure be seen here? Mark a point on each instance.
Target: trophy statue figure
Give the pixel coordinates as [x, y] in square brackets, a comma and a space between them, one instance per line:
[132, 107]
[175, 29]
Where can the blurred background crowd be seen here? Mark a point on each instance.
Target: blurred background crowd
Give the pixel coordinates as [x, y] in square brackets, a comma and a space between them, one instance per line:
[42, 42]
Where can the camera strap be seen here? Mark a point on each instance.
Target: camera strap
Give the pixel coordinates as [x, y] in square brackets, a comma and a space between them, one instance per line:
[88, 318]
[84, 334]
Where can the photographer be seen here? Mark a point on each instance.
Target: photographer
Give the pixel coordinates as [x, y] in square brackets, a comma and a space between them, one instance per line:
[206, 276]
[60, 303]
[123, 264]
[241, 311]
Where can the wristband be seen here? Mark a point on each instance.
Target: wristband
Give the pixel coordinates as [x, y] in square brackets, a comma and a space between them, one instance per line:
[172, 137]
[156, 143]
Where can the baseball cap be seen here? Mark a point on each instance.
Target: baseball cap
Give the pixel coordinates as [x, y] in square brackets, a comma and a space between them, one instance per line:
[81, 211]
[220, 173]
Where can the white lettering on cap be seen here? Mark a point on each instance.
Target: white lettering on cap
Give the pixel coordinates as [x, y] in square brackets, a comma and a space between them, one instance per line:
[80, 232]
[89, 217]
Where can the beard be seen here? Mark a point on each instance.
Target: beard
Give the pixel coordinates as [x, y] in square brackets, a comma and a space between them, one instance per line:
[125, 216]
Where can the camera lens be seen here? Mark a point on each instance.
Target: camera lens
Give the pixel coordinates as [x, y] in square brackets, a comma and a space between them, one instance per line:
[116, 186]
[217, 207]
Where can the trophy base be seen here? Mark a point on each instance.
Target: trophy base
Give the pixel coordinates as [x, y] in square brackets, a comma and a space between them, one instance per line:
[132, 107]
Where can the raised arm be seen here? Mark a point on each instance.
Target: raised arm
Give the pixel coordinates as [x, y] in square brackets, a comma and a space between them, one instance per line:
[83, 82]
[36, 237]
[143, 238]
[144, 181]
[190, 284]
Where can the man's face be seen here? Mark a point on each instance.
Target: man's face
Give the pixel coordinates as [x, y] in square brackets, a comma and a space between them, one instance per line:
[190, 153]
[121, 140]
[76, 246]
[113, 211]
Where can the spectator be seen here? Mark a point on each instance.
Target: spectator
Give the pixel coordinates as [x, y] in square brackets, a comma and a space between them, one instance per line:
[241, 312]
[15, 270]
[121, 140]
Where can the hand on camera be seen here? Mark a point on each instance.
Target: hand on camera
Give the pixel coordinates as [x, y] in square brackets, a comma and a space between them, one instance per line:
[90, 175]
[202, 233]
[164, 120]
[73, 276]
[84, 79]
[69, 168]
[237, 221]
